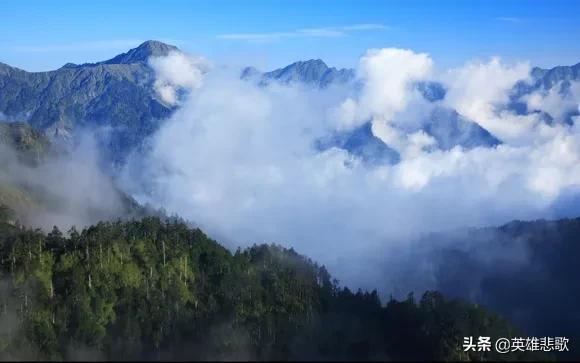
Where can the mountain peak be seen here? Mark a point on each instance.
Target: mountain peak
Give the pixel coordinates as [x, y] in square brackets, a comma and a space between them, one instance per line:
[155, 47]
[249, 72]
[317, 62]
[313, 71]
[150, 48]
[312, 65]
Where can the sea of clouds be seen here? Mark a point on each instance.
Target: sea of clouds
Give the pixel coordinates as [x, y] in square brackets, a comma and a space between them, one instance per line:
[239, 158]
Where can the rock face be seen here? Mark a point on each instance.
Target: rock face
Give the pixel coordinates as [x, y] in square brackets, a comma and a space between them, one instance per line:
[116, 94]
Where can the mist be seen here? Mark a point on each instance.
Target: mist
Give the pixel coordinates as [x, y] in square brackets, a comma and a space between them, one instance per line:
[240, 160]
[65, 188]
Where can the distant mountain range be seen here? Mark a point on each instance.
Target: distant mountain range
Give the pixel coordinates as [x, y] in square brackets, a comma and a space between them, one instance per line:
[526, 271]
[445, 125]
[312, 72]
[547, 78]
[117, 95]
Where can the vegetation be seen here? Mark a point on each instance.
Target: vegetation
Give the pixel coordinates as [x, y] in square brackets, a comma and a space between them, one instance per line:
[525, 271]
[31, 145]
[154, 289]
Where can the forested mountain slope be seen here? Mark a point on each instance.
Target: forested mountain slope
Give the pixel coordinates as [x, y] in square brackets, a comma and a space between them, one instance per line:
[526, 271]
[151, 289]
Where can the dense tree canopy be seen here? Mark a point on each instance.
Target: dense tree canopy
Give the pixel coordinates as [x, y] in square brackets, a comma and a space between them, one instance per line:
[154, 289]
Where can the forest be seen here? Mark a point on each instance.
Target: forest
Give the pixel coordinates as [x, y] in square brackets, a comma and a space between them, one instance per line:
[157, 289]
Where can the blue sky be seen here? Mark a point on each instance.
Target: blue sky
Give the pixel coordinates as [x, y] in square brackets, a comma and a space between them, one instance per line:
[43, 35]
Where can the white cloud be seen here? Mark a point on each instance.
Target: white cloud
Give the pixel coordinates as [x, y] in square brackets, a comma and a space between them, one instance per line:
[239, 160]
[325, 32]
[480, 92]
[509, 19]
[177, 71]
[387, 76]
[364, 27]
[51, 199]
[554, 102]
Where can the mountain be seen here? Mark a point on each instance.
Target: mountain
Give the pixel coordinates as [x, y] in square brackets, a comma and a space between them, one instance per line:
[141, 54]
[154, 289]
[544, 80]
[362, 143]
[526, 271]
[116, 94]
[450, 129]
[446, 126]
[431, 91]
[31, 145]
[44, 184]
[547, 78]
[311, 72]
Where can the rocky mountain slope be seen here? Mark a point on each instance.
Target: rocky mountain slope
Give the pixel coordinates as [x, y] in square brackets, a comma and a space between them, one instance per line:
[115, 94]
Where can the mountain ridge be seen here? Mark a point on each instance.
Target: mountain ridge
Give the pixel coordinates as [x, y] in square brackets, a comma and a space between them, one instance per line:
[548, 77]
[139, 54]
[118, 94]
[311, 72]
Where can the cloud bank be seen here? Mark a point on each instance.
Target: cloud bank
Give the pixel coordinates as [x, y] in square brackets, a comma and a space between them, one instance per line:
[240, 160]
